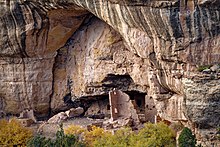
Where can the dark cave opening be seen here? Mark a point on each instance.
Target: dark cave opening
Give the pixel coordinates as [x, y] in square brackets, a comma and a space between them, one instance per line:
[120, 82]
[138, 100]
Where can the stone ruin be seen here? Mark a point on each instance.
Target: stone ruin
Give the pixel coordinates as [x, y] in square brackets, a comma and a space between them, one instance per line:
[122, 109]
[114, 110]
[130, 109]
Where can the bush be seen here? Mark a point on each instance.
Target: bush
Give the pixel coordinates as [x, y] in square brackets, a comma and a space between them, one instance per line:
[74, 129]
[203, 67]
[61, 140]
[89, 137]
[39, 141]
[155, 135]
[121, 138]
[12, 133]
[186, 138]
[98, 137]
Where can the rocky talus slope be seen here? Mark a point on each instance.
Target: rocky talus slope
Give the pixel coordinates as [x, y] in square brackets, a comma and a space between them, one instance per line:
[58, 54]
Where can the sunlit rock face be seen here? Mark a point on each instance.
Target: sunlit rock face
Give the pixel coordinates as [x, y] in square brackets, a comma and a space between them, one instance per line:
[57, 51]
[94, 62]
[31, 33]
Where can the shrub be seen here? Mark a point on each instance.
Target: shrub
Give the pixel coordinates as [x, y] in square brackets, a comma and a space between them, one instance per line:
[121, 138]
[203, 67]
[39, 141]
[155, 135]
[186, 138]
[12, 133]
[61, 140]
[74, 129]
[91, 137]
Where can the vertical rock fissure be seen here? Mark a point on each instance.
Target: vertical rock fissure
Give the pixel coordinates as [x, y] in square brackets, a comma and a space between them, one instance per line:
[25, 96]
[19, 19]
[52, 89]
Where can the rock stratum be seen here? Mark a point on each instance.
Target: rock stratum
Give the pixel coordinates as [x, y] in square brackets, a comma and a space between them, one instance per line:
[58, 54]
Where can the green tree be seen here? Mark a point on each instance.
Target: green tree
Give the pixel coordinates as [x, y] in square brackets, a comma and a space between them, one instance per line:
[186, 138]
[155, 135]
[121, 138]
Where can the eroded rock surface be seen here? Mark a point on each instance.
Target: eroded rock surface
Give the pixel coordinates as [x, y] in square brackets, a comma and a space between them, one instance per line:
[57, 54]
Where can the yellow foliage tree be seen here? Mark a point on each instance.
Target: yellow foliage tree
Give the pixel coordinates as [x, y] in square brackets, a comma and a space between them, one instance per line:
[121, 138]
[89, 137]
[74, 130]
[12, 133]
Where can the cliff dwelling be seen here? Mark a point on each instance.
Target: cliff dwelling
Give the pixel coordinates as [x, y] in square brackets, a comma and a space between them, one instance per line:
[120, 105]
[134, 105]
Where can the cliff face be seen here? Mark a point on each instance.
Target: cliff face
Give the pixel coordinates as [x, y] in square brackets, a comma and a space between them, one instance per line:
[55, 51]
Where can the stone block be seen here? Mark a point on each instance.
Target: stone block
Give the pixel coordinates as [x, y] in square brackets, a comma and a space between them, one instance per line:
[215, 68]
[74, 112]
[60, 117]
[96, 124]
[28, 114]
[26, 122]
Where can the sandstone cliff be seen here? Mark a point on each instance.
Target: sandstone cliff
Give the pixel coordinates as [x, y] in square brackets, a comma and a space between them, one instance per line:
[57, 54]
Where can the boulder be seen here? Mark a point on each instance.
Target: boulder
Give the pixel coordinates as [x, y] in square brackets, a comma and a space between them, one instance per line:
[215, 68]
[28, 114]
[60, 117]
[74, 112]
[96, 124]
[125, 122]
[26, 122]
[107, 125]
[207, 71]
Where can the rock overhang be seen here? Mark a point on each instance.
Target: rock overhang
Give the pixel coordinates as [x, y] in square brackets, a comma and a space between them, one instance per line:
[167, 42]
